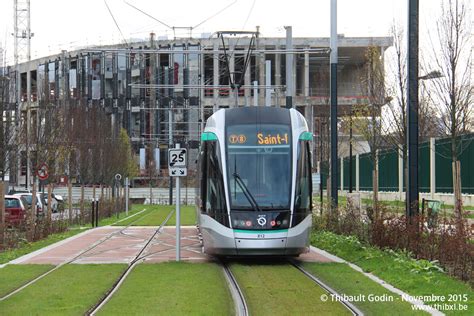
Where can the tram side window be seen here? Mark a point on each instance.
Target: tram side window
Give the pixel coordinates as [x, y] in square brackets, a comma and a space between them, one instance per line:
[303, 203]
[214, 202]
[201, 188]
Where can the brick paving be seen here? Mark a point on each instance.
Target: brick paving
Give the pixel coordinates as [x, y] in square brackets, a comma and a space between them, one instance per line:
[114, 245]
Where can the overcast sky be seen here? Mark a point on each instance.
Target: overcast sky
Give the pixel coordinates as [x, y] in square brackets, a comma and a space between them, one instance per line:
[67, 24]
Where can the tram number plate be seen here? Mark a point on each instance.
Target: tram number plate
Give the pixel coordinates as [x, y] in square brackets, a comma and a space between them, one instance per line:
[260, 235]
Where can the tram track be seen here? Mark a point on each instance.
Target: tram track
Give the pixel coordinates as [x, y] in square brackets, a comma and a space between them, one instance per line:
[241, 308]
[238, 295]
[136, 260]
[333, 293]
[71, 260]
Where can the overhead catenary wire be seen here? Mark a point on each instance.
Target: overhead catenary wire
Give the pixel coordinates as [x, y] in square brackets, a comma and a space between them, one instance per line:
[197, 86]
[248, 15]
[115, 21]
[148, 15]
[173, 28]
[215, 14]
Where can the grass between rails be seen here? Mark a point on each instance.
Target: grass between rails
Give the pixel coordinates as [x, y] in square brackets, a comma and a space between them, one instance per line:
[156, 214]
[70, 290]
[415, 277]
[280, 289]
[15, 276]
[172, 289]
[346, 280]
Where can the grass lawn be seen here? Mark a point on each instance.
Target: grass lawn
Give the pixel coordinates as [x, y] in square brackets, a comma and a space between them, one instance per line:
[346, 280]
[172, 289]
[280, 289]
[111, 220]
[156, 214]
[14, 276]
[398, 206]
[445, 211]
[415, 277]
[70, 290]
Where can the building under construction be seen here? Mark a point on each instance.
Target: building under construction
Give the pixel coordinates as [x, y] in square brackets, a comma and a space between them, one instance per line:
[162, 91]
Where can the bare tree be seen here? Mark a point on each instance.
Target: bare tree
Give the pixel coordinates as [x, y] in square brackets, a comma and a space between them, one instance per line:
[368, 118]
[96, 152]
[451, 54]
[395, 120]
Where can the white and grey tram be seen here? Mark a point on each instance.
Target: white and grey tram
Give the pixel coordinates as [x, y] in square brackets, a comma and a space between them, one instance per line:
[254, 196]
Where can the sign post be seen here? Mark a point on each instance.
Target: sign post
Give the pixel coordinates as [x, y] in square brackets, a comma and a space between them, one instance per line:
[177, 162]
[116, 194]
[126, 196]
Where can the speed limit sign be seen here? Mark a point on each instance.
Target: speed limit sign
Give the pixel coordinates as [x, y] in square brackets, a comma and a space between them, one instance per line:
[177, 162]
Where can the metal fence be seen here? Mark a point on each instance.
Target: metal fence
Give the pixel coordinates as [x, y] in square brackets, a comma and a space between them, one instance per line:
[389, 170]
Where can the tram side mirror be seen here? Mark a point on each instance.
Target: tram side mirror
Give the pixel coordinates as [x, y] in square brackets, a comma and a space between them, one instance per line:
[298, 200]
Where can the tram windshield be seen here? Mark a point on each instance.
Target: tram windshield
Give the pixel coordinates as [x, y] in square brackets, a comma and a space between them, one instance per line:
[259, 166]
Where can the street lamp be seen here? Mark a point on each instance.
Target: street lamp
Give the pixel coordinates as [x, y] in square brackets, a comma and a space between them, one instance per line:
[412, 109]
[431, 75]
[412, 191]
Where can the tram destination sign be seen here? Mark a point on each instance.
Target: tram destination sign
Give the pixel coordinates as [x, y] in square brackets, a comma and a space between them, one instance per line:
[177, 162]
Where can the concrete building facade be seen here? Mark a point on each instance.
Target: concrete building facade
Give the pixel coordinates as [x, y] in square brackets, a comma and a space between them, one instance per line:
[161, 92]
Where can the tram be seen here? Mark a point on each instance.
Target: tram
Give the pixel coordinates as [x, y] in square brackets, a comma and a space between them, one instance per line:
[254, 193]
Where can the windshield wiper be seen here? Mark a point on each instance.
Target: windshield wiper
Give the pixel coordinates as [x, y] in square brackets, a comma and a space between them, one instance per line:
[246, 191]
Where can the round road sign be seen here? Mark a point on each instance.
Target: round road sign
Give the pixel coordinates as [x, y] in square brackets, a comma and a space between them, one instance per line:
[42, 172]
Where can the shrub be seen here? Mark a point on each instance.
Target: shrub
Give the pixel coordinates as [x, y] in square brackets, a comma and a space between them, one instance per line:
[448, 243]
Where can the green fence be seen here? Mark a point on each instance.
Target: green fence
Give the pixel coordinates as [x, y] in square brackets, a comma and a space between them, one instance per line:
[424, 167]
[444, 170]
[388, 167]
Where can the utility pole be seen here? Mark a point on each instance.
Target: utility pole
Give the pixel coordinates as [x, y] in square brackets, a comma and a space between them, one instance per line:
[350, 153]
[268, 82]
[22, 39]
[168, 81]
[412, 110]
[151, 117]
[333, 93]
[152, 105]
[289, 67]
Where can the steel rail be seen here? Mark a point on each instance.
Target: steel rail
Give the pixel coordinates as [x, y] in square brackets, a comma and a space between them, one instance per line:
[241, 308]
[138, 258]
[351, 307]
[82, 253]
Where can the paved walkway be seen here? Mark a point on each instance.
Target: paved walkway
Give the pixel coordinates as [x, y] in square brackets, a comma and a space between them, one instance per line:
[114, 245]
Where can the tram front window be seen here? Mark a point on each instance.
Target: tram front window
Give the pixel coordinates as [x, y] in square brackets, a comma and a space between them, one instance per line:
[259, 166]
